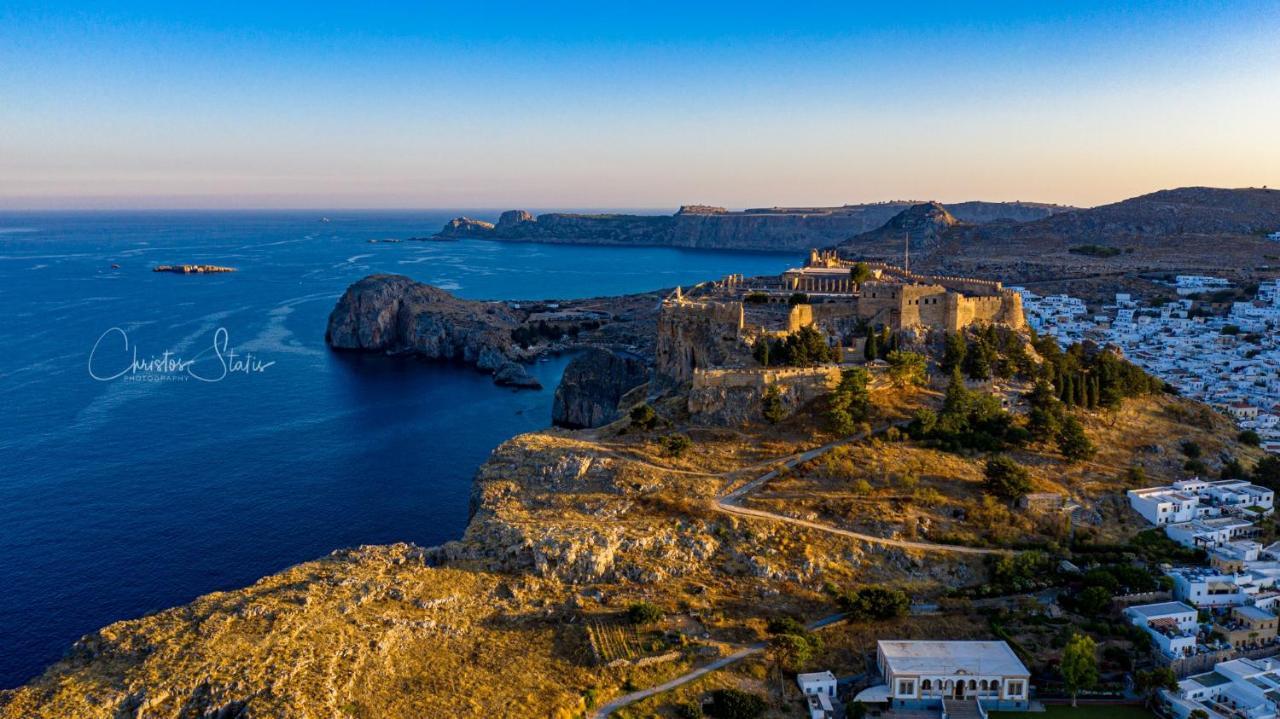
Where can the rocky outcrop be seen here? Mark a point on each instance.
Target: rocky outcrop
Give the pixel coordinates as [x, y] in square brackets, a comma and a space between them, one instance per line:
[463, 227]
[394, 314]
[513, 374]
[592, 386]
[513, 218]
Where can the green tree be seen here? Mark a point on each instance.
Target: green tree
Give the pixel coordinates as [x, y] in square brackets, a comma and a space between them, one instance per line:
[860, 273]
[953, 353]
[875, 603]
[798, 298]
[1005, 478]
[644, 613]
[1079, 665]
[1149, 683]
[906, 368]
[792, 651]
[760, 350]
[871, 350]
[1250, 438]
[1074, 444]
[772, 408]
[979, 360]
[1093, 601]
[851, 402]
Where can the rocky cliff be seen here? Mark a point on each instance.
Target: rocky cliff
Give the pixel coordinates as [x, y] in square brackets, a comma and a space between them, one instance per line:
[705, 226]
[592, 386]
[394, 314]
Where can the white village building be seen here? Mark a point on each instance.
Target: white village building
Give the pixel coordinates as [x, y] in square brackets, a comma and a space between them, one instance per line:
[1237, 689]
[1173, 626]
[923, 674]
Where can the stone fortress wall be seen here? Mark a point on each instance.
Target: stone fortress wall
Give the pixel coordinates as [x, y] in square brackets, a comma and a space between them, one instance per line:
[704, 340]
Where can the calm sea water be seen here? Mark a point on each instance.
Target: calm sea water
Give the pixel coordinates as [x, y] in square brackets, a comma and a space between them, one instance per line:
[126, 496]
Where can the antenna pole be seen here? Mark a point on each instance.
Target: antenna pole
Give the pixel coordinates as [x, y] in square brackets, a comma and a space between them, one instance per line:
[906, 253]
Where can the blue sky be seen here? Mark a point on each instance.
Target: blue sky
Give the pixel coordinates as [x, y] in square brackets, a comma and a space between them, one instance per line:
[140, 104]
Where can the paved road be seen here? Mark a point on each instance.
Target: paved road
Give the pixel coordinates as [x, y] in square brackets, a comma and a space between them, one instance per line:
[720, 663]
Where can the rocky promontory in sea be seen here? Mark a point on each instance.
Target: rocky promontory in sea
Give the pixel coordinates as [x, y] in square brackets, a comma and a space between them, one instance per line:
[393, 314]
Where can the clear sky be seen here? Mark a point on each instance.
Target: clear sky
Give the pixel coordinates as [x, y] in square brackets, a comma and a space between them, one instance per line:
[617, 104]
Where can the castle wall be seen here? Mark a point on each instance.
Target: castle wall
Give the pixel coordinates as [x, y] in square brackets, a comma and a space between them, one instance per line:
[731, 397]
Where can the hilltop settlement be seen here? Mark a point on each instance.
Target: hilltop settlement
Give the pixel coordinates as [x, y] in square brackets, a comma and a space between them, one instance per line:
[864, 486]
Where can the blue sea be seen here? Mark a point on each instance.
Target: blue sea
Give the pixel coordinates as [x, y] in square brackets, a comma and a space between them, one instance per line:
[123, 495]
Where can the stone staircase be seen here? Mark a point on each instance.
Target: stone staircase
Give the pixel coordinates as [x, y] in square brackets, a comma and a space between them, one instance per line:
[962, 709]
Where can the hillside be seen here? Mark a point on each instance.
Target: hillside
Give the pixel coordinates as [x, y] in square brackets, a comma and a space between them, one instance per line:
[568, 530]
[1194, 230]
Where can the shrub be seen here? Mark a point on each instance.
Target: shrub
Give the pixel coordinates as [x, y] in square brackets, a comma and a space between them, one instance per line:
[644, 417]
[798, 298]
[756, 298]
[1250, 438]
[1191, 449]
[644, 613]
[676, 444]
[735, 704]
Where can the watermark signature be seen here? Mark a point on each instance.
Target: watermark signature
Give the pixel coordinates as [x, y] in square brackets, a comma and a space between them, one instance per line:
[114, 358]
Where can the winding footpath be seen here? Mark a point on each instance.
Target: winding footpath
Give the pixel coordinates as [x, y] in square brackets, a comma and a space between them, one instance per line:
[730, 503]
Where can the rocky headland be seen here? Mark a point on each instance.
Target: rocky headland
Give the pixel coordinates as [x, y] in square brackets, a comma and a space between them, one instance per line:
[393, 314]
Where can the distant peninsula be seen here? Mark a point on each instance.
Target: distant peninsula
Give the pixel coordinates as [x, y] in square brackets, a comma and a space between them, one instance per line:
[707, 227]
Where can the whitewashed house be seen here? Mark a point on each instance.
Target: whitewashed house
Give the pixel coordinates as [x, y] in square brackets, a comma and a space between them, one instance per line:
[1173, 626]
[924, 674]
[1237, 689]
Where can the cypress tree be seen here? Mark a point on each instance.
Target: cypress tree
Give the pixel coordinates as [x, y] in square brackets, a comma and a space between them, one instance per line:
[872, 349]
[1081, 391]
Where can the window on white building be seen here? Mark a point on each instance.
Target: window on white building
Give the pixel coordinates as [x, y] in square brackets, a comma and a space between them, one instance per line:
[906, 688]
[1015, 688]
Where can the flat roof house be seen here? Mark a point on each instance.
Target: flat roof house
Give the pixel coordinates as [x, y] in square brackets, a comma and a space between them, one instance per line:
[1173, 626]
[924, 674]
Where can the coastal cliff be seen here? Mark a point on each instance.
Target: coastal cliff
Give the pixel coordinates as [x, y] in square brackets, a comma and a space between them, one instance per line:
[707, 227]
[394, 314]
[592, 386]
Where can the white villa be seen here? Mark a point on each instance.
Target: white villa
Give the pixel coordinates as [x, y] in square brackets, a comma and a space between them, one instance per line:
[1238, 689]
[927, 674]
[1173, 626]
[1191, 499]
